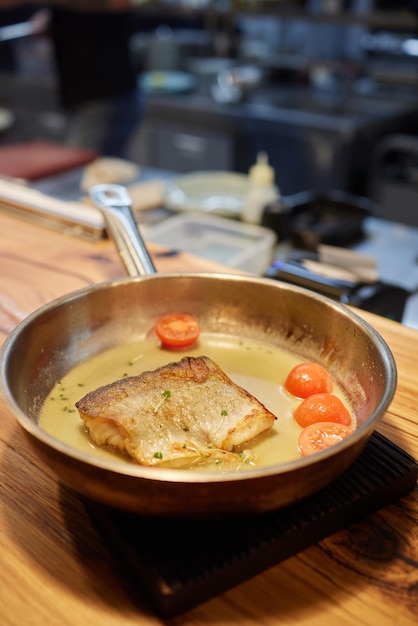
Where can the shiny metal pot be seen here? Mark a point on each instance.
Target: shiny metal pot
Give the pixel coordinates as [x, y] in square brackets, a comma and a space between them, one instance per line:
[73, 328]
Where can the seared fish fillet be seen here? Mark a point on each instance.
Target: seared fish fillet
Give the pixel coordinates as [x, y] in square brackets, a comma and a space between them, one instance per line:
[177, 415]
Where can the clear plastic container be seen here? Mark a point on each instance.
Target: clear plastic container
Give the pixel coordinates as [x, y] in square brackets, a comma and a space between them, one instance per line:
[243, 246]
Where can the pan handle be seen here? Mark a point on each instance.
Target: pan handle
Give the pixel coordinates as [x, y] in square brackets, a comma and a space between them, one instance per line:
[116, 205]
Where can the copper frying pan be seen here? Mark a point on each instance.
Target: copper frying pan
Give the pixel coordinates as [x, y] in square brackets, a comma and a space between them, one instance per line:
[58, 336]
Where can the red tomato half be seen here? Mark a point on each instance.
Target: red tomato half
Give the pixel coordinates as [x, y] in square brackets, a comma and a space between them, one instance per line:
[306, 379]
[321, 407]
[177, 330]
[321, 436]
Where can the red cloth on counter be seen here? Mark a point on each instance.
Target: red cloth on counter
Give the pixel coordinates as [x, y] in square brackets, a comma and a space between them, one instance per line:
[36, 159]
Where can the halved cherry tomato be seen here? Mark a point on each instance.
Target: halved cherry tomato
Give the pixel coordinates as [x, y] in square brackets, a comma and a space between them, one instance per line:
[321, 407]
[177, 330]
[320, 436]
[306, 379]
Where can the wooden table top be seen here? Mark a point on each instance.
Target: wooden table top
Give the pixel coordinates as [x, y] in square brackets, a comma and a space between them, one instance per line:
[56, 571]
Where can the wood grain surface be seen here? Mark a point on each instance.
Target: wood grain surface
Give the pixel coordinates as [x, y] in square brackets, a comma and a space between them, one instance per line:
[55, 569]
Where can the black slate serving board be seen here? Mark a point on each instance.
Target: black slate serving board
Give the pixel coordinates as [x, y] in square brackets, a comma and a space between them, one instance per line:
[177, 564]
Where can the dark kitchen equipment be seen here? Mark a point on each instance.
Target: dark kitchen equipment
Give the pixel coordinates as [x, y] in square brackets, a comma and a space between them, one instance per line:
[310, 218]
[394, 178]
[377, 297]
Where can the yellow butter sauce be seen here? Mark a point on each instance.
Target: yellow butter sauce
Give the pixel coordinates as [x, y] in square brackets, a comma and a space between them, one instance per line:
[257, 367]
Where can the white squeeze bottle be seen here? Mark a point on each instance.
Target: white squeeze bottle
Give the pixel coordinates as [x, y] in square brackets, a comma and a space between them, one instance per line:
[262, 190]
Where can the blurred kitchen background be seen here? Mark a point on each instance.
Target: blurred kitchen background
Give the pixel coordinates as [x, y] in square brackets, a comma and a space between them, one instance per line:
[328, 88]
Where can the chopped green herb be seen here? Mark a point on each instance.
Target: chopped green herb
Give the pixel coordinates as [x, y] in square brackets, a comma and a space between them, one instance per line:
[165, 394]
[224, 412]
[158, 455]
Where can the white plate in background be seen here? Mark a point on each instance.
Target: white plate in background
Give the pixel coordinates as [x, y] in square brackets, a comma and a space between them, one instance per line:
[218, 193]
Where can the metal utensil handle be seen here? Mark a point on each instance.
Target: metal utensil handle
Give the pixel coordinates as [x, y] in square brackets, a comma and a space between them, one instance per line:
[116, 205]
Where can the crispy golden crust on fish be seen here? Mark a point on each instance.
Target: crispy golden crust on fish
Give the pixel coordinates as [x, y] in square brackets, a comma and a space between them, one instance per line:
[175, 415]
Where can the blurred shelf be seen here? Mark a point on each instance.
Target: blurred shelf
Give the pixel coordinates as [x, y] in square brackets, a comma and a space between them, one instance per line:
[396, 19]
